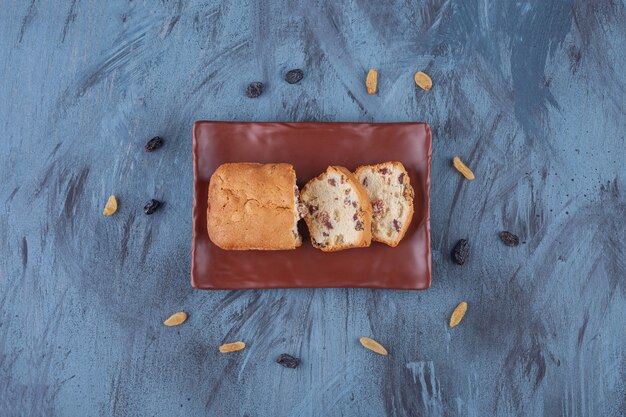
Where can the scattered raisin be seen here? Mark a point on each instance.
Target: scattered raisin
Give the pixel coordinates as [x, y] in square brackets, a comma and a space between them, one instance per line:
[365, 182]
[509, 238]
[377, 207]
[294, 76]
[396, 225]
[288, 361]
[332, 182]
[154, 144]
[152, 206]
[255, 89]
[383, 171]
[313, 209]
[346, 191]
[358, 226]
[354, 204]
[460, 252]
[325, 234]
[356, 216]
[401, 178]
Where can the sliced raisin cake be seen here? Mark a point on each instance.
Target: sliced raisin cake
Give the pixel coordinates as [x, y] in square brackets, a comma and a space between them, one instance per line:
[389, 189]
[338, 212]
[254, 206]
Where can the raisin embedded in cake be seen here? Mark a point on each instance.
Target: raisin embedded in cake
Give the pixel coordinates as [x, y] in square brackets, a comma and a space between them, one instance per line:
[339, 213]
[389, 189]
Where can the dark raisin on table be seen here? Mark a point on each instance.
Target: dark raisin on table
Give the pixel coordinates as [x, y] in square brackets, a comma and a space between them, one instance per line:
[288, 361]
[152, 206]
[294, 76]
[509, 238]
[460, 252]
[255, 89]
[154, 144]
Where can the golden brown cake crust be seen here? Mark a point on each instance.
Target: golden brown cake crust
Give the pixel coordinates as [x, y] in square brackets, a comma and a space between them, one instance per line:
[252, 206]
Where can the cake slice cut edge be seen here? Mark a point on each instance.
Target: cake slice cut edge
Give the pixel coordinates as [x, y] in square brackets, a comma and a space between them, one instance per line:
[338, 212]
[389, 189]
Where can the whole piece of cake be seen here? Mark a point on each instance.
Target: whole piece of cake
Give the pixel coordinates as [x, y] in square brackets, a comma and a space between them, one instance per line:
[254, 206]
[389, 189]
[337, 211]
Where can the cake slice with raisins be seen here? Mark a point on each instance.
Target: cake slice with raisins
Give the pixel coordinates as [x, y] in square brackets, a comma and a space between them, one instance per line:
[389, 189]
[338, 212]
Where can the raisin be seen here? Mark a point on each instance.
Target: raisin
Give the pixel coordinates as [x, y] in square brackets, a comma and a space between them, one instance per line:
[358, 226]
[332, 182]
[365, 182]
[396, 225]
[313, 209]
[383, 171]
[154, 144]
[377, 207]
[401, 178]
[343, 179]
[324, 218]
[509, 238]
[294, 76]
[325, 234]
[302, 211]
[346, 191]
[356, 216]
[152, 206]
[255, 89]
[318, 244]
[354, 204]
[460, 252]
[288, 361]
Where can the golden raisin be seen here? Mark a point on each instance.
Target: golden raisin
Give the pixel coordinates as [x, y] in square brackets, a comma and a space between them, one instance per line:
[462, 168]
[371, 82]
[423, 81]
[458, 314]
[232, 347]
[373, 345]
[111, 206]
[176, 319]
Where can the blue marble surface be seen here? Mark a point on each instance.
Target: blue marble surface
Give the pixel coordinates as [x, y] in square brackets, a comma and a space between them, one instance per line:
[530, 93]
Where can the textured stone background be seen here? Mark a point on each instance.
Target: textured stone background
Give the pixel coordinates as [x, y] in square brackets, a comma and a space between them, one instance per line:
[530, 93]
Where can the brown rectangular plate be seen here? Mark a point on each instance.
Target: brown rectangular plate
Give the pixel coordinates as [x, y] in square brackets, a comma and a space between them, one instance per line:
[311, 148]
